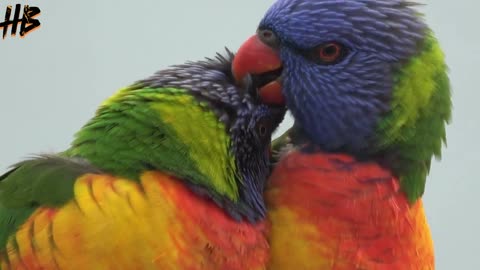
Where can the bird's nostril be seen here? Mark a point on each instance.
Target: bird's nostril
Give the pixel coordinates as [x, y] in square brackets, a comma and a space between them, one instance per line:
[267, 34]
[268, 37]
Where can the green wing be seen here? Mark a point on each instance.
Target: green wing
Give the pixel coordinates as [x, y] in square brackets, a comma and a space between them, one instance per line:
[43, 181]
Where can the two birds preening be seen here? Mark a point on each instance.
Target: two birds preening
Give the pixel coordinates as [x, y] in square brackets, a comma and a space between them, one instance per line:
[176, 171]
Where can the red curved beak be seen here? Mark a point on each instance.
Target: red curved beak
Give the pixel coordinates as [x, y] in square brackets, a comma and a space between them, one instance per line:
[256, 58]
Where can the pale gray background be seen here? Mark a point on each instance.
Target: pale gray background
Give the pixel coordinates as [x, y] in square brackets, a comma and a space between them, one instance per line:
[52, 81]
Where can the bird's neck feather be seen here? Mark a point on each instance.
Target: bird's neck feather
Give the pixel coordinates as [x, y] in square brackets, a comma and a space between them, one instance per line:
[412, 133]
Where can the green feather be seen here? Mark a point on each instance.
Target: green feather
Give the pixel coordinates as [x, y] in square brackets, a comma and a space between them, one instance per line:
[137, 129]
[415, 128]
[168, 129]
[44, 181]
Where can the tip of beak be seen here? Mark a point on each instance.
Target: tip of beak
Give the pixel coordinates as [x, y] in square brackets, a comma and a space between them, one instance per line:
[247, 83]
[247, 80]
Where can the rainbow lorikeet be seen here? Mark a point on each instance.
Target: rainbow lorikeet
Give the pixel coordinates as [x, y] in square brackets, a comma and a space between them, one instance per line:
[367, 85]
[168, 174]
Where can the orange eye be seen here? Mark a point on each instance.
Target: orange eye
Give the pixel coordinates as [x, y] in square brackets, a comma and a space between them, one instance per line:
[330, 52]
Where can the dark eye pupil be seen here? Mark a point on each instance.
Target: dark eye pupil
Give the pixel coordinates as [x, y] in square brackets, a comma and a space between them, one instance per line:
[330, 50]
[262, 130]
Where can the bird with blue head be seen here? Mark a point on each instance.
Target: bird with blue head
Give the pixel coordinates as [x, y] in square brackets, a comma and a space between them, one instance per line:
[367, 85]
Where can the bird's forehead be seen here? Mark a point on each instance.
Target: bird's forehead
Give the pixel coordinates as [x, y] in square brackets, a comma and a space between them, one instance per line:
[361, 22]
[335, 8]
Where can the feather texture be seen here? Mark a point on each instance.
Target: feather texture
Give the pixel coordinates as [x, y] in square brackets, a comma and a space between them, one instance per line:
[115, 223]
[168, 174]
[331, 211]
[387, 99]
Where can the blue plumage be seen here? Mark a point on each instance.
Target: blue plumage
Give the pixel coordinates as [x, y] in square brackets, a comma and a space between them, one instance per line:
[328, 100]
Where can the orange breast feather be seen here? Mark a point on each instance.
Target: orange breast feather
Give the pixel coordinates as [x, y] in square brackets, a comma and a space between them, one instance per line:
[333, 212]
